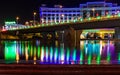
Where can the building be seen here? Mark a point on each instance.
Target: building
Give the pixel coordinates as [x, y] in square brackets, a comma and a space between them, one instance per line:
[59, 14]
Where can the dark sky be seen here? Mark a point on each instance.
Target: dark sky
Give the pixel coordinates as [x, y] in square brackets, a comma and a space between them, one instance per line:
[9, 9]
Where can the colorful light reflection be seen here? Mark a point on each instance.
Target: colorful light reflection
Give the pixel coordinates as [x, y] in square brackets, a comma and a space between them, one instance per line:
[90, 52]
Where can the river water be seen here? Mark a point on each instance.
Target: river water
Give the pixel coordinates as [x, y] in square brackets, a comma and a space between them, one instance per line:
[56, 52]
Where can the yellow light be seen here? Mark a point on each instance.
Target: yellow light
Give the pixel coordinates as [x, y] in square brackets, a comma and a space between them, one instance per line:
[93, 9]
[34, 13]
[17, 18]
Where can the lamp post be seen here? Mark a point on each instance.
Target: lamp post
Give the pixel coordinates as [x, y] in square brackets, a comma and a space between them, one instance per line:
[17, 18]
[34, 14]
[93, 9]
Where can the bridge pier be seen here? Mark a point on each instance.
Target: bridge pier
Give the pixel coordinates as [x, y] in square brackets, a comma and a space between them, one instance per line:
[77, 38]
[69, 38]
[117, 43]
[72, 38]
[48, 38]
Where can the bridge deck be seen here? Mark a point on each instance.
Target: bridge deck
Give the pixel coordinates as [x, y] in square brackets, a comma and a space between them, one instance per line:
[95, 24]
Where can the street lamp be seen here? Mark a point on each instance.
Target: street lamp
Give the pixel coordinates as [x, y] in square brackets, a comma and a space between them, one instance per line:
[93, 9]
[17, 18]
[34, 14]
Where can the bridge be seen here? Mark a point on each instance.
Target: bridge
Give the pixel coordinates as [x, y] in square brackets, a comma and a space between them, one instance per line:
[64, 30]
[88, 23]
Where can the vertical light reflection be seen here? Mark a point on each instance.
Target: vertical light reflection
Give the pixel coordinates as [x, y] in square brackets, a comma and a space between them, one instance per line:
[98, 53]
[20, 48]
[39, 52]
[26, 50]
[29, 46]
[101, 45]
[62, 54]
[56, 52]
[86, 46]
[34, 50]
[81, 57]
[118, 58]
[47, 53]
[108, 52]
[98, 59]
[23, 48]
[68, 56]
[17, 52]
[51, 54]
[74, 56]
[56, 55]
[89, 58]
[10, 50]
[82, 43]
[31, 50]
[42, 53]
[90, 50]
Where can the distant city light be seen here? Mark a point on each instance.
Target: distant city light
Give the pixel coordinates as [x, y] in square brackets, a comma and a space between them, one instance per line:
[10, 22]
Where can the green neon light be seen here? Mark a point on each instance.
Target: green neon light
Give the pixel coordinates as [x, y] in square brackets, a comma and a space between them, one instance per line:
[89, 59]
[93, 30]
[10, 51]
[29, 47]
[81, 19]
[68, 54]
[38, 53]
[118, 56]
[118, 14]
[98, 59]
[74, 20]
[108, 57]
[98, 17]
[89, 18]
[10, 22]
[81, 57]
[108, 16]
[23, 48]
[51, 54]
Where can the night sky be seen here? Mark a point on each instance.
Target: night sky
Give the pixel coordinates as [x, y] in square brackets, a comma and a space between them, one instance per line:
[9, 9]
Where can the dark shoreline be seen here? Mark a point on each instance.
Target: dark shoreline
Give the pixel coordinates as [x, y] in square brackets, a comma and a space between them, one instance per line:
[21, 69]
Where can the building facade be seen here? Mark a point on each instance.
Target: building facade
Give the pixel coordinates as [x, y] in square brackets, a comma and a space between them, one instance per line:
[59, 14]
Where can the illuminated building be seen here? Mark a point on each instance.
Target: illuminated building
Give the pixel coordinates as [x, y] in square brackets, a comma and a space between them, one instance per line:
[59, 14]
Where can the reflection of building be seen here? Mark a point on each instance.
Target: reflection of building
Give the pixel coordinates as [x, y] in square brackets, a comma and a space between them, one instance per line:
[90, 9]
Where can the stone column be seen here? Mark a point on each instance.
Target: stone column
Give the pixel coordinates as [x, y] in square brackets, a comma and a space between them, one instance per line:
[69, 37]
[117, 36]
[77, 38]
[88, 14]
[103, 13]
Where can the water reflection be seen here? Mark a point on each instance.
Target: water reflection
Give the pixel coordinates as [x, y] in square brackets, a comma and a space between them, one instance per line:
[37, 52]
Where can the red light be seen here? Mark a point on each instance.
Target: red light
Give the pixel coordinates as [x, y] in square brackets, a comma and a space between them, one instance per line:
[4, 30]
[97, 14]
[106, 13]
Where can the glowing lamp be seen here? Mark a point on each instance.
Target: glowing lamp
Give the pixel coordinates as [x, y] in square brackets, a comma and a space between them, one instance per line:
[98, 17]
